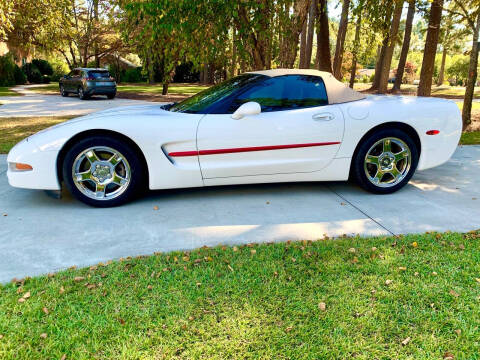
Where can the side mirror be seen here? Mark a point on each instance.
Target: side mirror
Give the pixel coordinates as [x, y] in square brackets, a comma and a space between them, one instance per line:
[249, 108]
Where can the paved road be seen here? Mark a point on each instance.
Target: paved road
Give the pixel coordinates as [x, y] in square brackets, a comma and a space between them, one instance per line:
[32, 104]
[41, 234]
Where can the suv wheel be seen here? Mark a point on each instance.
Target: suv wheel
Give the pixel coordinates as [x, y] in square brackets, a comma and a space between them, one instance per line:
[81, 93]
[62, 91]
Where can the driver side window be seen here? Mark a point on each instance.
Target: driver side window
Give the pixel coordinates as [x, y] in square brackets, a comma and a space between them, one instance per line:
[287, 92]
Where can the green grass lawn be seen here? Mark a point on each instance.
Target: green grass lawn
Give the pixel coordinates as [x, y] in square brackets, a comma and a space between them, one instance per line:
[5, 91]
[470, 138]
[14, 129]
[173, 89]
[444, 90]
[413, 297]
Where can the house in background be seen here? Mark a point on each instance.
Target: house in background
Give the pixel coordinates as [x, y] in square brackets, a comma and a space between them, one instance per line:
[20, 56]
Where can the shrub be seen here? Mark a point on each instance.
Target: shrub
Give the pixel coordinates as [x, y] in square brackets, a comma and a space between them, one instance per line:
[34, 75]
[133, 75]
[7, 70]
[19, 76]
[43, 66]
[59, 69]
[372, 77]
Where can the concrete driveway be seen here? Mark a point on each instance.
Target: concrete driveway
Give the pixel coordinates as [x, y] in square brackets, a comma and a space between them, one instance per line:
[40, 234]
[32, 104]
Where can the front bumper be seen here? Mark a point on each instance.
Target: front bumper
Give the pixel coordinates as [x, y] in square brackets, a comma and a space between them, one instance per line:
[44, 164]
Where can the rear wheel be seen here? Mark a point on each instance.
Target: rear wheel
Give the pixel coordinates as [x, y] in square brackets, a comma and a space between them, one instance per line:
[386, 161]
[111, 96]
[103, 172]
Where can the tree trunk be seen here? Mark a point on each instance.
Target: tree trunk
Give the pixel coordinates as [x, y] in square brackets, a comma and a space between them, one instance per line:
[428, 63]
[441, 74]
[324, 59]
[387, 61]
[342, 32]
[312, 15]
[97, 59]
[303, 45]
[356, 45]
[472, 78]
[291, 32]
[165, 88]
[405, 46]
[379, 64]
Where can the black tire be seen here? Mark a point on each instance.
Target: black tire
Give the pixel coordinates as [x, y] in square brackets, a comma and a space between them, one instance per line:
[358, 169]
[111, 96]
[81, 93]
[135, 187]
[62, 91]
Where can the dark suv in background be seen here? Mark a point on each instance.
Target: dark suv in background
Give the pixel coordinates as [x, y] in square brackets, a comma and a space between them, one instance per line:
[87, 82]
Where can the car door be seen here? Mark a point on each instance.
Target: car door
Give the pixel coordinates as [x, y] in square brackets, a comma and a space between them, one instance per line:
[297, 131]
[67, 81]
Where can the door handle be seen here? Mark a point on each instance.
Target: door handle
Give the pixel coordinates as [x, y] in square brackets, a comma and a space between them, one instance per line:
[323, 117]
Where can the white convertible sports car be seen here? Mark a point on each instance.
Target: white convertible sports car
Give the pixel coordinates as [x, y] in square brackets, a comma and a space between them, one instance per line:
[264, 126]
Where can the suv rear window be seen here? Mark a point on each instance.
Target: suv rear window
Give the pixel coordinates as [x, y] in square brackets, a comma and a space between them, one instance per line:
[98, 74]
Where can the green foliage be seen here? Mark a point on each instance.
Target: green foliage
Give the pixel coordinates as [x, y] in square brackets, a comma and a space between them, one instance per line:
[458, 70]
[19, 75]
[34, 75]
[59, 69]
[43, 66]
[7, 70]
[133, 75]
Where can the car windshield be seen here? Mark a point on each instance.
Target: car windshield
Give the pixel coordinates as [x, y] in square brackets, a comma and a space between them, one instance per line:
[200, 102]
[98, 74]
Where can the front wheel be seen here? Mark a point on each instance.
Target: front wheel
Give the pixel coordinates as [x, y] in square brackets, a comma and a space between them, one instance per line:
[81, 93]
[385, 161]
[62, 91]
[103, 171]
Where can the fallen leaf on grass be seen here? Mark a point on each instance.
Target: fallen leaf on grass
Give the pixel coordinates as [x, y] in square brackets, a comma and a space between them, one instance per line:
[121, 321]
[406, 341]
[434, 273]
[402, 268]
[21, 300]
[64, 357]
[453, 293]
[149, 287]
[477, 280]
[43, 335]
[231, 269]
[45, 310]
[78, 278]
[322, 306]
[351, 250]
[448, 356]
[374, 248]
[288, 329]
[26, 295]
[461, 247]
[253, 251]
[1, 336]
[62, 290]
[416, 273]
[235, 248]
[388, 282]
[458, 332]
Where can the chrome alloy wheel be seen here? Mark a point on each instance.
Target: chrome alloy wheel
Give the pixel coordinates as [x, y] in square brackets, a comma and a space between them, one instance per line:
[101, 173]
[387, 162]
